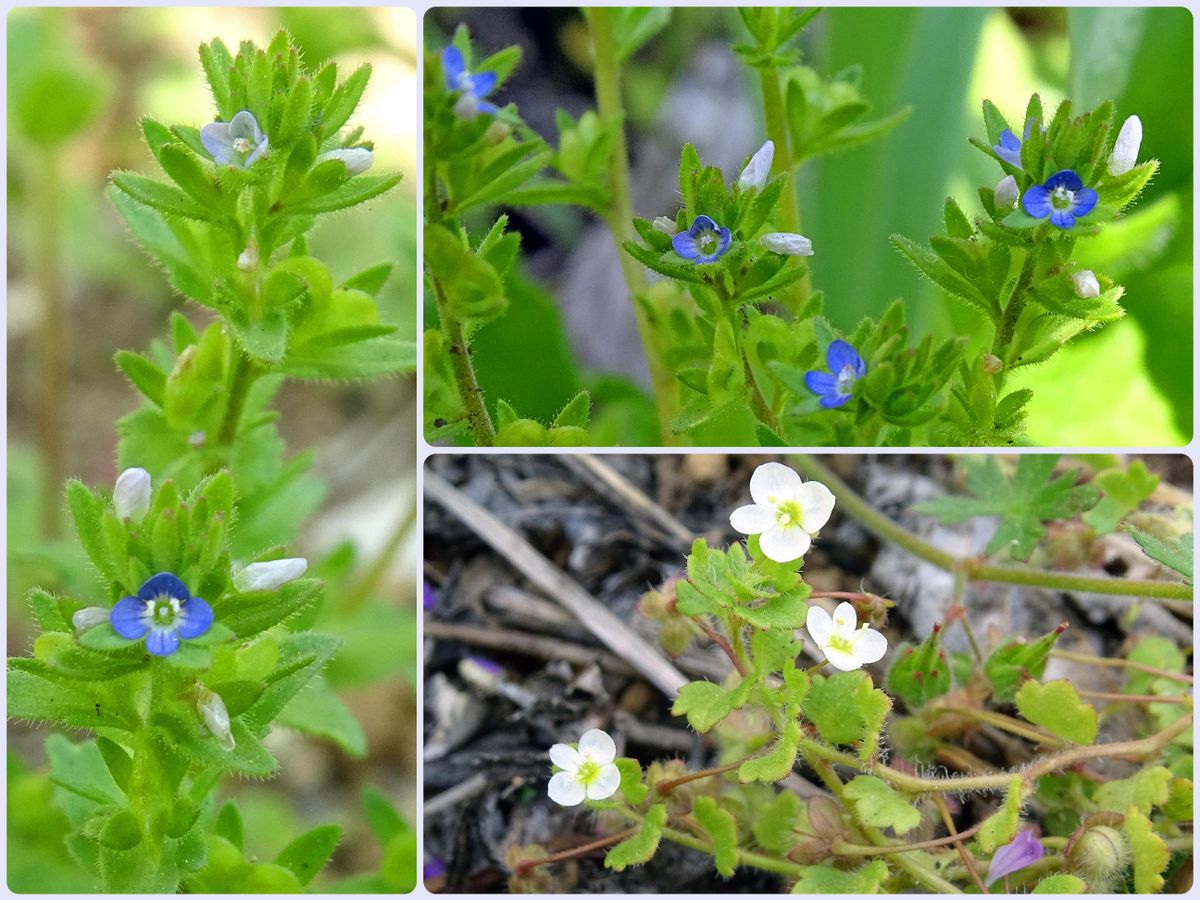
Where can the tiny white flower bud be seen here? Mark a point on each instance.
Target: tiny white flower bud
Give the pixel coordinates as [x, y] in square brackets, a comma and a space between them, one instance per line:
[356, 159]
[482, 673]
[88, 617]
[247, 260]
[467, 106]
[1086, 285]
[787, 243]
[1125, 151]
[665, 225]
[1006, 193]
[131, 493]
[756, 171]
[216, 718]
[197, 439]
[991, 364]
[267, 576]
[497, 133]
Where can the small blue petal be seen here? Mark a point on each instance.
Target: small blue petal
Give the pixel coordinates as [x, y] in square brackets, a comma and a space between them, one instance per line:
[482, 84]
[256, 154]
[127, 618]
[1029, 127]
[453, 66]
[1065, 178]
[197, 618]
[1085, 201]
[1062, 218]
[840, 355]
[163, 584]
[701, 224]
[835, 401]
[1009, 141]
[821, 383]
[218, 142]
[1009, 148]
[1036, 201]
[685, 245]
[487, 108]
[726, 240]
[162, 643]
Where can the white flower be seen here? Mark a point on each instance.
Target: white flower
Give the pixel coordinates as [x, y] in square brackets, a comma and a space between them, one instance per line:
[665, 225]
[247, 260]
[1086, 285]
[88, 617]
[587, 772]
[356, 159]
[787, 243]
[756, 171]
[1125, 151]
[267, 576]
[216, 718]
[1006, 193]
[786, 511]
[131, 493]
[845, 645]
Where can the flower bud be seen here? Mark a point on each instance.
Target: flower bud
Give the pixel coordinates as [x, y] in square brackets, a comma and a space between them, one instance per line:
[1086, 285]
[787, 243]
[216, 718]
[665, 225]
[356, 159]
[1099, 856]
[1006, 193]
[1125, 151]
[497, 133]
[247, 260]
[267, 576]
[481, 673]
[131, 493]
[88, 617]
[758, 169]
[991, 364]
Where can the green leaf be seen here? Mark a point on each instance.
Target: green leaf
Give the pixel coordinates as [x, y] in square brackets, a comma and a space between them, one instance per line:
[307, 854]
[318, 711]
[1144, 790]
[840, 704]
[363, 359]
[301, 657]
[163, 197]
[1061, 883]
[229, 825]
[1001, 826]
[704, 703]
[634, 851]
[1158, 652]
[1056, 707]
[825, 879]
[385, 822]
[34, 693]
[357, 190]
[1011, 664]
[143, 375]
[1124, 490]
[1150, 853]
[721, 829]
[1022, 503]
[248, 614]
[776, 764]
[1175, 553]
[774, 826]
[921, 673]
[345, 100]
[634, 26]
[631, 780]
[877, 804]
[576, 412]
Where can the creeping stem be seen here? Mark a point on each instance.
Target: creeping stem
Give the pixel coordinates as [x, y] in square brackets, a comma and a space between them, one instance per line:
[975, 569]
[619, 216]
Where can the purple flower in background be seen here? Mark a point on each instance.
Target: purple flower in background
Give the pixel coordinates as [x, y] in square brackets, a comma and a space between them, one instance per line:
[835, 387]
[162, 611]
[1024, 850]
[704, 242]
[238, 142]
[429, 601]
[1063, 198]
[473, 88]
[435, 868]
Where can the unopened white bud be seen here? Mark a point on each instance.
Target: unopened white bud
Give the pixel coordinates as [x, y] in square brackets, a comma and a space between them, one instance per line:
[1086, 285]
[247, 260]
[467, 106]
[267, 576]
[131, 493]
[758, 169]
[216, 718]
[88, 617]
[787, 243]
[1125, 151]
[356, 159]
[991, 364]
[1006, 193]
[497, 133]
[664, 225]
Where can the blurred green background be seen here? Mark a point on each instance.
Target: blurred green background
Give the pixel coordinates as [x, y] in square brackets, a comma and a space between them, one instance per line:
[78, 80]
[1128, 384]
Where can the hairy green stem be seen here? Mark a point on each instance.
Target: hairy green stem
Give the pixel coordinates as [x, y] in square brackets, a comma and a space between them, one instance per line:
[245, 373]
[619, 217]
[1117, 662]
[1016, 303]
[478, 419]
[975, 569]
[53, 337]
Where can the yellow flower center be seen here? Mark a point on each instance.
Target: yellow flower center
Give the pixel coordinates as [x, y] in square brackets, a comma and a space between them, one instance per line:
[587, 772]
[789, 513]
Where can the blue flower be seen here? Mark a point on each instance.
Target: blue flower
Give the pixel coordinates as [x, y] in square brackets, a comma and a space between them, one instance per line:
[704, 242]
[1024, 850]
[1009, 148]
[162, 611]
[1063, 198]
[473, 88]
[238, 142]
[845, 367]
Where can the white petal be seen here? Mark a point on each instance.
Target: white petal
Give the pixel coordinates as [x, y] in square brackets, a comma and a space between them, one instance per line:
[784, 544]
[565, 790]
[267, 576]
[869, 645]
[752, 519]
[788, 243]
[598, 747]
[816, 502]
[1007, 193]
[131, 493]
[773, 482]
[759, 168]
[605, 784]
[565, 757]
[356, 159]
[88, 617]
[1125, 151]
[846, 662]
[845, 620]
[1086, 285]
[664, 225]
[819, 625]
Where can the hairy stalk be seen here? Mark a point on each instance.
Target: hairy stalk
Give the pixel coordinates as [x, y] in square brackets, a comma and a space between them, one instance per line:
[715, 636]
[525, 866]
[478, 419]
[1135, 698]
[245, 372]
[53, 338]
[619, 217]
[1117, 662]
[974, 569]
[1012, 310]
[845, 848]
[1006, 723]
[775, 119]
[959, 837]
[666, 787]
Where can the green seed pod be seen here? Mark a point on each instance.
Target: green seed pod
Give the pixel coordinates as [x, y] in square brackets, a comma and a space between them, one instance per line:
[1099, 857]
